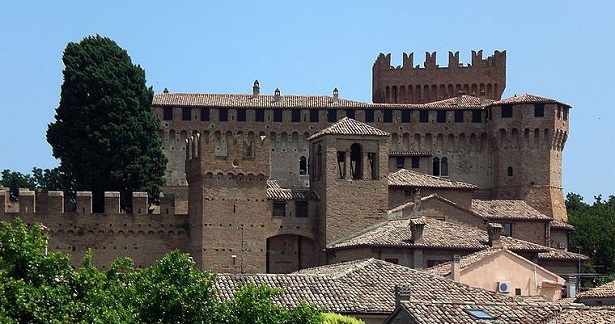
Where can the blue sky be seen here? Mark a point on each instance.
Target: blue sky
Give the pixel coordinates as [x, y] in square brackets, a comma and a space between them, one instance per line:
[556, 49]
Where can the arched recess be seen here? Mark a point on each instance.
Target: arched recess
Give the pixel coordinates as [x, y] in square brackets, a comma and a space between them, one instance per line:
[287, 253]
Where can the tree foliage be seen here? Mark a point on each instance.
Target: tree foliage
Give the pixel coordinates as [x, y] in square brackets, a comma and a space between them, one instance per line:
[48, 179]
[41, 287]
[105, 133]
[595, 228]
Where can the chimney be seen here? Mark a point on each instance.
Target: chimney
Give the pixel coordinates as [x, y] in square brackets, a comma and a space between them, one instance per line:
[256, 89]
[494, 230]
[416, 230]
[165, 90]
[276, 95]
[402, 293]
[456, 267]
[482, 98]
[571, 287]
[459, 97]
[335, 94]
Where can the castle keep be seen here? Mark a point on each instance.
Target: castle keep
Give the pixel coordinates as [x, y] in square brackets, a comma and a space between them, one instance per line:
[275, 183]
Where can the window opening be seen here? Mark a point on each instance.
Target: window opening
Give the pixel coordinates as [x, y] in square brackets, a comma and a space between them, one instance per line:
[314, 116]
[295, 115]
[332, 115]
[444, 167]
[507, 229]
[559, 112]
[459, 116]
[223, 114]
[302, 165]
[301, 208]
[477, 116]
[204, 113]
[436, 166]
[259, 115]
[341, 164]
[373, 166]
[277, 115]
[507, 111]
[401, 161]
[355, 161]
[565, 113]
[241, 114]
[167, 113]
[424, 116]
[510, 171]
[406, 116]
[539, 110]
[350, 113]
[415, 162]
[387, 116]
[441, 116]
[479, 313]
[279, 208]
[369, 115]
[186, 113]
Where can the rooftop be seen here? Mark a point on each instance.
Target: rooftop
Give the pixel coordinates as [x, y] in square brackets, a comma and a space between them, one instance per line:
[408, 178]
[527, 98]
[507, 209]
[349, 126]
[605, 291]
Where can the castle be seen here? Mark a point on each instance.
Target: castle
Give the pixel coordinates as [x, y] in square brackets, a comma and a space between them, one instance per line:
[275, 183]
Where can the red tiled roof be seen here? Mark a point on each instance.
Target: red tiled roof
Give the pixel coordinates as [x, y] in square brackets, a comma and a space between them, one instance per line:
[466, 102]
[275, 192]
[349, 126]
[499, 209]
[408, 178]
[527, 98]
[605, 291]
[556, 223]
[584, 314]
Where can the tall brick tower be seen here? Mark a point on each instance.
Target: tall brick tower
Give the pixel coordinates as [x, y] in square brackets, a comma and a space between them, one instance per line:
[415, 84]
[528, 134]
[227, 177]
[349, 168]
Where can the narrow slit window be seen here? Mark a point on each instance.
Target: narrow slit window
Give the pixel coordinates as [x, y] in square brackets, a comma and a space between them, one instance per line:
[444, 167]
[436, 166]
[355, 161]
[341, 165]
[373, 165]
[302, 165]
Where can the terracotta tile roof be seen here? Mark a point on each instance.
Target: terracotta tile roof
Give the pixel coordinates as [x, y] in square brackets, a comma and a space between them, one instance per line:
[467, 102]
[436, 234]
[586, 314]
[444, 269]
[408, 178]
[495, 210]
[275, 192]
[557, 254]
[349, 126]
[527, 98]
[410, 153]
[605, 291]
[362, 286]
[556, 223]
[453, 312]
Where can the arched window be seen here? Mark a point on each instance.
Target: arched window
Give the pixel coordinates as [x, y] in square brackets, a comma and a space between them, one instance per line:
[444, 167]
[302, 165]
[355, 161]
[436, 166]
[510, 171]
[341, 164]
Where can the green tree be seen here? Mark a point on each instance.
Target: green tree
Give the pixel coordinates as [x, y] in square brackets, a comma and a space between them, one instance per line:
[105, 133]
[50, 179]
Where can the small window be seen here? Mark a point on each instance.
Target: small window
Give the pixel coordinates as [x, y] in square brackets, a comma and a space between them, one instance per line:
[459, 116]
[204, 113]
[415, 162]
[559, 112]
[517, 291]
[479, 314]
[369, 115]
[436, 166]
[507, 111]
[350, 113]
[259, 115]
[507, 229]
[223, 114]
[400, 162]
[510, 171]
[301, 208]
[444, 167]
[565, 113]
[373, 165]
[167, 113]
[441, 116]
[424, 116]
[331, 115]
[477, 116]
[302, 165]
[341, 164]
[279, 209]
[406, 116]
[186, 113]
[277, 115]
[295, 115]
[241, 114]
[314, 116]
[387, 116]
[539, 110]
[356, 167]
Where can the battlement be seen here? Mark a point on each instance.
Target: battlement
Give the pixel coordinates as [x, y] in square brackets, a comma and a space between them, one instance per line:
[53, 202]
[498, 59]
[228, 154]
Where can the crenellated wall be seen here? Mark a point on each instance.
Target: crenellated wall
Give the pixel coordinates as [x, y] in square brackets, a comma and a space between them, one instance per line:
[143, 236]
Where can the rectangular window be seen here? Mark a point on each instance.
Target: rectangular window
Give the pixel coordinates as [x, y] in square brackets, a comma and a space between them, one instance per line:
[406, 116]
[277, 115]
[539, 110]
[401, 161]
[186, 113]
[459, 116]
[424, 116]
[565, 113]
[241, 114]
[387, 116]
[415, 162]
[223, 114]
[369, 115]
[204, 113]
[314, 116]
[441, 116]
[295, 115]
[507, 229]
[507, 111]
[477, 116]
[259, 115]
[167, 113]
[350, 113]
[332, 115]
[301, 208]
[559, 112]
[279, 209]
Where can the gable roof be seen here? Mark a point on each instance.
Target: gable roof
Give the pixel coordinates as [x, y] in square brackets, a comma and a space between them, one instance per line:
[605, 291]
[527, 98]
[361, 286]
[501, 209]
[275, 192]
[409, 178]
[349, 126]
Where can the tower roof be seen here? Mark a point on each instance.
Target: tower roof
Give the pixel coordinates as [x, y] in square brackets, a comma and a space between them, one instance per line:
[527, 98]
[349, 126]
